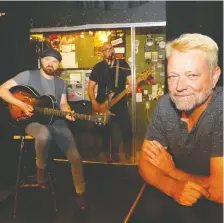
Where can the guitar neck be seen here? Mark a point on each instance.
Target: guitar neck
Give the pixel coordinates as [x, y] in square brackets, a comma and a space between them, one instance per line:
[122, 94]
[118, 98]
[59, 113]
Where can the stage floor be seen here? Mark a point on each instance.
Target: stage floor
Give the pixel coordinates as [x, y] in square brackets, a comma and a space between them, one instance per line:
[111, 190]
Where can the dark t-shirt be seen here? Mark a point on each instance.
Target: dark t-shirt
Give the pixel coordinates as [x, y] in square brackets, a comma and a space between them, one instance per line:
[191, 151]
[105, 77]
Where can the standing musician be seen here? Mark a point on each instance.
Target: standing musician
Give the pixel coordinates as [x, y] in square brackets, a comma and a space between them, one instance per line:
[45, 82]
[111, 75]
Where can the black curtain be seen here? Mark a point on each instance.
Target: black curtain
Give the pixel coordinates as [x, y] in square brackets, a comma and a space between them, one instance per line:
[196, 17]
[14, 38]
[14, 42]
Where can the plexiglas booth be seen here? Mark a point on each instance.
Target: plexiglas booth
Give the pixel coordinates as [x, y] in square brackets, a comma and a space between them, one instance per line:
[142, 45]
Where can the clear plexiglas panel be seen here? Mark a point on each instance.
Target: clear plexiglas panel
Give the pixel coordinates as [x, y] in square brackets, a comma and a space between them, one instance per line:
[81, 50]
[150, 78]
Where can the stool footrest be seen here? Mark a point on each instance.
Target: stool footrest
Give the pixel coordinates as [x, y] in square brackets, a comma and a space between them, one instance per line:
[23, 180]
[19, 137]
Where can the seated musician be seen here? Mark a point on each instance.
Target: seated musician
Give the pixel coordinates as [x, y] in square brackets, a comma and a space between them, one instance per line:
[182, 154]
[45, 82]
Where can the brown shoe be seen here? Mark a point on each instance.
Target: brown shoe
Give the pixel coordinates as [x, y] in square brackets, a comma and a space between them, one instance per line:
[42, 178]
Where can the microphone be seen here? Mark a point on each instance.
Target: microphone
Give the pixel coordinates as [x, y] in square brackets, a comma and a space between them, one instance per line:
[111, 59]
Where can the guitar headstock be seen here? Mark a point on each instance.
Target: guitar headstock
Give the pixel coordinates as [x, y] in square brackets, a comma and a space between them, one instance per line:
[144, 75]
[101, 119]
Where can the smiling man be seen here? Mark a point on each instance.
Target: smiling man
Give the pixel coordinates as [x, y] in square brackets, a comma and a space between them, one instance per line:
[182, 154]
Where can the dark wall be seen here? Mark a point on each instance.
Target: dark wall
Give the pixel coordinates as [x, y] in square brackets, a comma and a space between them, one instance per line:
[14, 39]
[196, 17]
[70, 13]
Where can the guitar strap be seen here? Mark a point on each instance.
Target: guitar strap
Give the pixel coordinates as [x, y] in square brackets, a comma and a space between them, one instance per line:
[106, 80]
[117, 72]
[116, 75]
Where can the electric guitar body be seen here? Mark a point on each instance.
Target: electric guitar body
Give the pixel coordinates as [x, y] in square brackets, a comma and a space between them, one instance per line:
[106, 106]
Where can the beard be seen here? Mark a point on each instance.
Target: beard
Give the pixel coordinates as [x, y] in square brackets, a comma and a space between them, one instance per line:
[191, 101]
[49, 70]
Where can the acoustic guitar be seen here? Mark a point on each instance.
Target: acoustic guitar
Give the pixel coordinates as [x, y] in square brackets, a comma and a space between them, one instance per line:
[45, 109]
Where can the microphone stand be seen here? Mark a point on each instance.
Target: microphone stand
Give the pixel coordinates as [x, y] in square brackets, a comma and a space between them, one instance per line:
[109, 122]
[109, 103]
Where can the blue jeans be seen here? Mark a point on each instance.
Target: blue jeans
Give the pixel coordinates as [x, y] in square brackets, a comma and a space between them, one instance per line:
[63, 137]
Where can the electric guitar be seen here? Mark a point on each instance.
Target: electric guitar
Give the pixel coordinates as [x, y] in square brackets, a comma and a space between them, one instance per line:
[105, 106]
[45, 111]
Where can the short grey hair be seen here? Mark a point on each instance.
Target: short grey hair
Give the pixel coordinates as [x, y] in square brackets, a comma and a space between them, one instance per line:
[195, 41]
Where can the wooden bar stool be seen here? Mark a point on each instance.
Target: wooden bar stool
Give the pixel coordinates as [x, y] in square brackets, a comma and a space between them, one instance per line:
[23, 182]
[131, 210]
